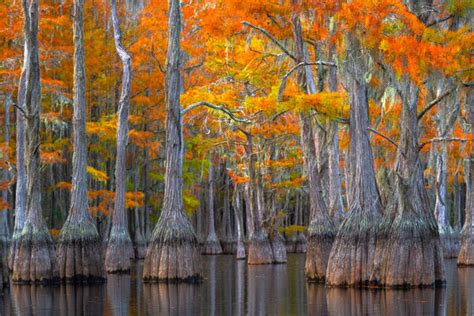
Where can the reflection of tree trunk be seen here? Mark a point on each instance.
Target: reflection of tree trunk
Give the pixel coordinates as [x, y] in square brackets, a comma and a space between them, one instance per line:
[81, 300]
[173, 252]
[34, 299]
[79, 249]
[118, 293]
[171, 298]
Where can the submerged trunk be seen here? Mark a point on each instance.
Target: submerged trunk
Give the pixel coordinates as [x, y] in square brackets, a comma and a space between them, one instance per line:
[408, 246]
[321, 230]
[466, 254]
[20, 191]
[212, 246]
[173, 253]
[352, 254]
[34, 258]
[240, 251]
[120, 247]
[79, 249]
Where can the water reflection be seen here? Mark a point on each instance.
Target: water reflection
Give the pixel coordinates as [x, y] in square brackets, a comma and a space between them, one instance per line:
[231, 287]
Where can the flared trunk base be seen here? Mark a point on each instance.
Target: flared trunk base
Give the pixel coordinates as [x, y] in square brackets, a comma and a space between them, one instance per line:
[79, 254]
[278, 248]
[173, 254]
[229, 246]
[466, 253]
[450, 242]
[139, 247]
[260, 250]
[34, 260]
[212, 246]
[319, 246]
[411, 254]
[352, 255]
[119, 251]
[240, 253]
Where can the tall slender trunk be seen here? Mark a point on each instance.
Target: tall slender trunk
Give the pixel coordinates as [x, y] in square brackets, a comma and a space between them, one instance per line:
[466, 253]
[79, 249]
[120, 247]
[20, 192]
[212, 246]
[139, 240]
[4, 227]
[321, 230]
[240, 251]
[34, 258]
[173, 252]
[449, 237]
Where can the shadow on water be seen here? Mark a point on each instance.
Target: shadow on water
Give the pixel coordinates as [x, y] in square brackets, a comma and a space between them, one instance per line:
[231, 287]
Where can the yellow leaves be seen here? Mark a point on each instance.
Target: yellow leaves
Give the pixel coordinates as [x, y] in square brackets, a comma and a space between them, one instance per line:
[140, 138]
[134, 199]
[191, 203]
[97, 174]
[383, 46]
[105, 128]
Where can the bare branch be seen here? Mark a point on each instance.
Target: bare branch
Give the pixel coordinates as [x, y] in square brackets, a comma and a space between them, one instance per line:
[383, 136]
[444, 139]
[440, 20]
[272, 38]
[433, 103]
[214, 107]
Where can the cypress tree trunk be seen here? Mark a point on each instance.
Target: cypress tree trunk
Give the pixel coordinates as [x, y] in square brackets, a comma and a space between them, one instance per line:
[20, 192]
[212, 246]
[173, 253]
[408, 247]
[34, 258]
[352, 254]
[260, 248]
[240, 251]
[120, 247]
[229, 242]
[79, 249]
[139, 240]
[321, 230]
[466, 253]
[4, 228]
[449, 237]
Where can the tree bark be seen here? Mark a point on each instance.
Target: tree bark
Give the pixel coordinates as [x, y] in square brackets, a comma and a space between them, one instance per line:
[408, 247]
[120, 247]
[34, 258]
[466, 253]
[79, 253]
[352, 255]
[321, 230]
[240, 251]
[173, 253]
[4, 228]
[20, 192]
[212, 246]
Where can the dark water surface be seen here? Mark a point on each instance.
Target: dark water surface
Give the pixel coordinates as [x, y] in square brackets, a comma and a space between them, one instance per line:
[231, 287]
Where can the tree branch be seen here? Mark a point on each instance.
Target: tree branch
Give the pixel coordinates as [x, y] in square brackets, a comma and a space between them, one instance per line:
[383, 136]
[214, 107]
[444, 139]
[272, 38]
[433, 103]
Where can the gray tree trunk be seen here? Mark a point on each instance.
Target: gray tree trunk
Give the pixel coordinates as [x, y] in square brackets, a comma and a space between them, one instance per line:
[79, 249]
[240, 251]
[120, 247]
[352, 254]
[408, 247]
[20, 192]
[34, 258]
[173, 252]
[212, 246]
[466, 253]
